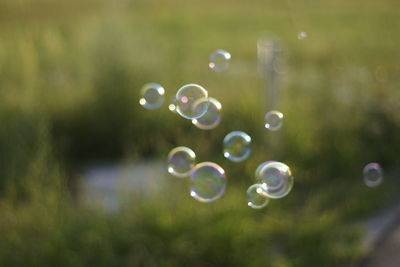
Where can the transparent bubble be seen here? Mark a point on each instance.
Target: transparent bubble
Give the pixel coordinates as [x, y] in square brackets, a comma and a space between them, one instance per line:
[276, 178]
[373, 174]
[186, 97]
[172, 104]
[152, 96]
[219, 60]
[180, 161]
[302, 35]
[208, 182]
[212, 117]
[255, 199]
[273, 120]
[237, 146]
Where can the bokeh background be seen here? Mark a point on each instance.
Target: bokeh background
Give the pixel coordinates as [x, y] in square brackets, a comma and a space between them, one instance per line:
[82, 165]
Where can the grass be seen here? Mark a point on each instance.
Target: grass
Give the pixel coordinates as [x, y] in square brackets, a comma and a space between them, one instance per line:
[70, 76]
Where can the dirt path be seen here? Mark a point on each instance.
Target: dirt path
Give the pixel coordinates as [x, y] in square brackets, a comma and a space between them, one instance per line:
[383, 240]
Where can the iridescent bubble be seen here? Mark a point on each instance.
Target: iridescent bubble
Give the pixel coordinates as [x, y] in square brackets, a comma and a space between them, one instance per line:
[237, 146]
[255, 198]
[219, 60]
[273, 120]
[212, 117]
[373, 174]
[180, 161]
[276, 178]
[208, 182]
[302, 35]
[186, 97]
[152, 96]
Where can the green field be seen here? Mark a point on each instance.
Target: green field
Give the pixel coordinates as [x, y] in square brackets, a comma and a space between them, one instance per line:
[70, 78]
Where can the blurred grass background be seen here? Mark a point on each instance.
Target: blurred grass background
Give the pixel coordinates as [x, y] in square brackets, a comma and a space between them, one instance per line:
[70, 76]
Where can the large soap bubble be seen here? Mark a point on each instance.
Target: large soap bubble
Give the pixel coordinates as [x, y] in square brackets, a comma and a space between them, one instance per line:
[237, 146]
[212, 117]
[276, 178]
[208, 182]
[187, 101]
[219, 60]
[255, 197]
[152, 96]
[180, 161]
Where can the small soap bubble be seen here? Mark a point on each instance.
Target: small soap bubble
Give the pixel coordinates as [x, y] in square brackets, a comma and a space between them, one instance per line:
[373, 174]
[180, 161]
[186, 98]
[237, 146]
[208, 182]
[212, 117]
[273, 120]
[302, 35]
[172, 104]
[255, 199]
[219, 60]
[276, 178]
[152, 96]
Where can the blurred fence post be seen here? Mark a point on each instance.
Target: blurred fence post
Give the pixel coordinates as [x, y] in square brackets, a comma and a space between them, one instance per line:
[269, 58]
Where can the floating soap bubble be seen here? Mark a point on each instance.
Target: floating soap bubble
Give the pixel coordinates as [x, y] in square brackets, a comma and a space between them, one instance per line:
[219, 60]
[208, 182]
[255, 198]
[237, 146]
[212, 117]
[302, 35]
[273, 120]
[186, 97]
[276, 178]
[373, 174]
[152, 96]
[172, 104]
[180, 161]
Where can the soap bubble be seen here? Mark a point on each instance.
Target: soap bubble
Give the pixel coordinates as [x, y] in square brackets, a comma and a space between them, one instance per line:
[373, 174]
[302, 35]
[172, 104]
[212, 117]
[276, 178]
[186, 97]
[273, 120]
[180, 161]
[152, 96]
[237, 146]
[219, 60]
[255, 199]
[208, 182]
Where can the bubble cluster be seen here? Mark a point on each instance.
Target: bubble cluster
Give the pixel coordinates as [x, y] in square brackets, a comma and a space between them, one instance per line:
[237, 146]
[373, 174]
[255, 198]
[273, 120]
[152, 96]
[180, 161]
[277, 178]
[207, 182]
[212, 117]
[187, 99]
[219, 60]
